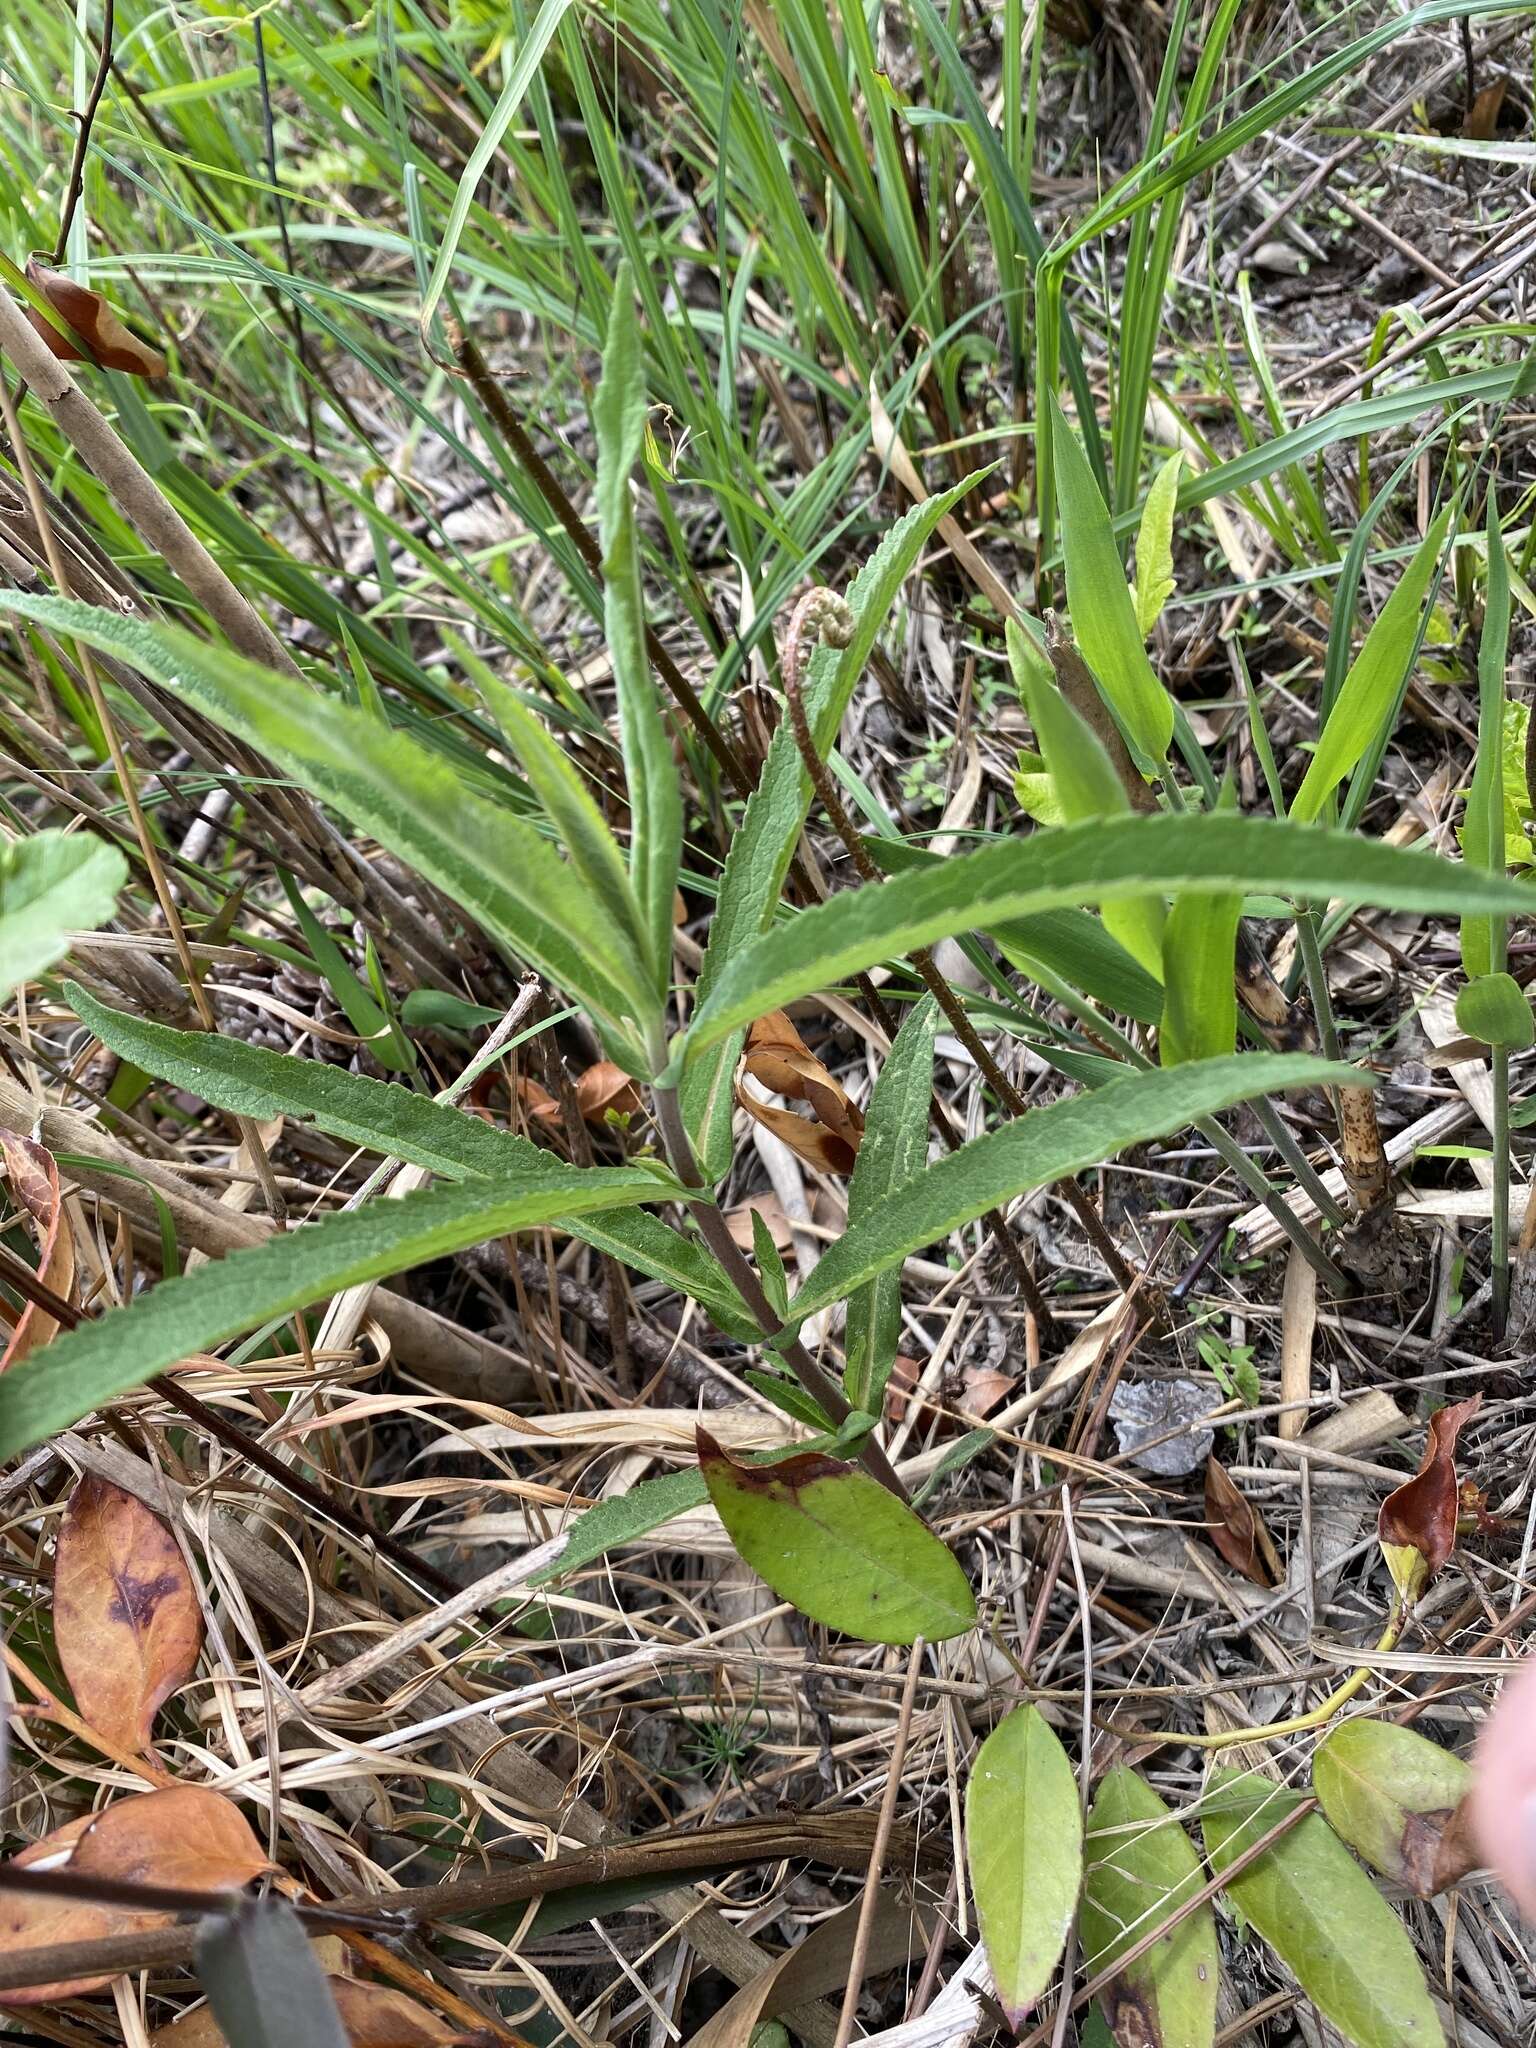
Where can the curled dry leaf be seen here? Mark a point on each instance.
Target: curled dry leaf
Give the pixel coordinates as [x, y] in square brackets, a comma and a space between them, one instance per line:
[126, 1618]
[779, 1058]
[1237, 1529]
[1417, 1523]
[605, 1090]
[376, 2017]
[34, 1180]
[536, 1100]
[89, 318]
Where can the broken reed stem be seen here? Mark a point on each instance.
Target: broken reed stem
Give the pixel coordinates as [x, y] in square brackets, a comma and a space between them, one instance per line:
[816, 610]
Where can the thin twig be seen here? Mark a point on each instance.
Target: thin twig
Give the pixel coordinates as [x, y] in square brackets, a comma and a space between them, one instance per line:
[86, 117]
[867, 1904]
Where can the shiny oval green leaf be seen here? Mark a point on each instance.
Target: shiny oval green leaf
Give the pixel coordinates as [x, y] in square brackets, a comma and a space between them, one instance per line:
[1497, 1010]
[1397, 1800]
[1321, 1914]
[1024, 1843]
[1141, 1866]
[842, 1549]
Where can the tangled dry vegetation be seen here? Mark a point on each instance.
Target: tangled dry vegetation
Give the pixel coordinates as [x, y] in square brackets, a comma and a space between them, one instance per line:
[293, 1606]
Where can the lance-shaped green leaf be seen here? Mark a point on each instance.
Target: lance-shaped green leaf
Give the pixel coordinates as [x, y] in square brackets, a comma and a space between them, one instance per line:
[496, 867]
[1368, 698]
[253, 1081]
[1482, 838]
[894, 1147]
[760, 852]
[1399, 1801]
[1099, 602]
[1024, 1845]
[655, 796]
[839, 1546]
[1141, 1868]
[624, 1518]
[1199, 984]
[1102, 861]
[1321, 1914]
[120, 1350]
[1065, 1137]
[1086, 786]
[1154, 545]
[51, 885]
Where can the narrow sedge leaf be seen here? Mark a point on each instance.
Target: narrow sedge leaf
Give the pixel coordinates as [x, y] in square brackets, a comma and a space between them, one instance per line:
[1368, 698]
[52, 884]
[1024, 1844]
[1199, 979]
[79, 1371]
[1099, 602]
[655, 794]
[1497, 1010]
[1086, 786]
[837, 1544]
[253, 1081]
[1398, 1800]
[1142, 1867]
[496, 867]
[1482, 839]
[1065, 1137]
[1321, 1914]
[894, 1149]
[1154, 545]
[1097, 862]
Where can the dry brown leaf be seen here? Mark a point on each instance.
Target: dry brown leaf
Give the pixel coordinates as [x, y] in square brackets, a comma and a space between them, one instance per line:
[34, 1180]
[187, 1837]
[1417, 1523]
[1482, 121]
[778, 1057]
[605, 1090]
[28, 1920]
[376, 2017]
[88, 317]
[537, 1101]
[1237, 1529]
[738, 1222]
[126, 1617]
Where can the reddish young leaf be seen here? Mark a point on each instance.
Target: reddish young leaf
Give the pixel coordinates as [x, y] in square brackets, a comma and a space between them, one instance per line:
[1417, 1523]
[34, 1179]
[126, 1618]
[779, 1058]
[1237, 1529]
[605, 1090]
[90, 319]
[1503, 1799]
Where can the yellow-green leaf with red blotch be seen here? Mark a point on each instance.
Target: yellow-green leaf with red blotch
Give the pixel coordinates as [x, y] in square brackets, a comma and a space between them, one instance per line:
[1399, 1801]
[836, 1544]
[34, 1182]
[1416, 1525]
[126, 1618]
[1141, 1869]
[89, 319]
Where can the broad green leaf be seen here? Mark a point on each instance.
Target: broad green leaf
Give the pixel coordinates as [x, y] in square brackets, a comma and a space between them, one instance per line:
[893, 1149]
[85, 1367]
[1321, 1914]
[1086, 786]
[839, 1546]
[1098, 862]
[1154, 545]
[52, 884]
[1142, 1867]
[495, 866]
[623, 1518]
[1066, 1137]
[758, 858]
[253, 1081]
[1024, 1845]
[1199, 979]
[591, 847]
[1497, 1010]
[1483, 938]
[263, 1979]
[1099, 603]
[1397, 1800]
[655, 796]
[1370, 691]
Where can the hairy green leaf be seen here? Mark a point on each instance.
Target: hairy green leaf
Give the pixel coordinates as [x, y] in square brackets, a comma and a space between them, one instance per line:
[839, 1546]
[893, 1149]
[625, 1517]
[1024, 1845]
[1066, 1137]
[1397, 1800]
[51, 885]
[1142, 1867]
[1154, 545]
[1096, 862]
[1320, 1913]
[1199, 984]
